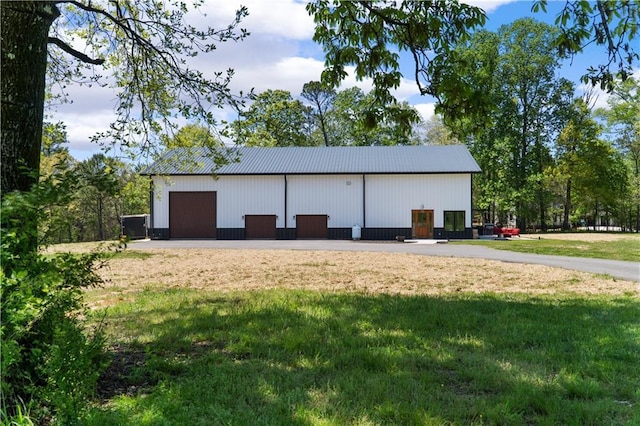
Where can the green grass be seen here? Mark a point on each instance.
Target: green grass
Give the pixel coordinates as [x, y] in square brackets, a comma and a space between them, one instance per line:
[310, 358]
[132, 254]
[624, 249]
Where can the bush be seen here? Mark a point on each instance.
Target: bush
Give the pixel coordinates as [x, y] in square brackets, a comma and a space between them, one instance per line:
[49, 364]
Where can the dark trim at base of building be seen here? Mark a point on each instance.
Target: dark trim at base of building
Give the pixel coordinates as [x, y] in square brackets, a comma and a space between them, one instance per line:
[159, 233]
[332, 233]
[441, 234]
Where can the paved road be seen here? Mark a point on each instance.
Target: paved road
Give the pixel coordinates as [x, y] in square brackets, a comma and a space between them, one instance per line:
[629, 271]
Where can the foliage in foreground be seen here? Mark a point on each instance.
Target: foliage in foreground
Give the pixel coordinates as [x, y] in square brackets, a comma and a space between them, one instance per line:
[303, 357]
[49, 365]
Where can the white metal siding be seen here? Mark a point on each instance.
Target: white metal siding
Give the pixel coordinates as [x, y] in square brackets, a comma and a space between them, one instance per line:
[236, 196]
[339, 196]
[390, 198]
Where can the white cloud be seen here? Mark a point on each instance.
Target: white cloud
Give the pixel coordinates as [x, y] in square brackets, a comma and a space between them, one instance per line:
[426, 110]
[596, 96]
[288, 73]
[81, 127]
[291, 73]
[487, 5]
[284, 18]
[599, 98]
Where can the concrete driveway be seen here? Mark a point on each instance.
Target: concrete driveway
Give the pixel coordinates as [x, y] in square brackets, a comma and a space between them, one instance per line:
[629, 271]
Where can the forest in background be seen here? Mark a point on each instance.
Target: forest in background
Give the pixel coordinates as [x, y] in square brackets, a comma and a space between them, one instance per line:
[550, 160]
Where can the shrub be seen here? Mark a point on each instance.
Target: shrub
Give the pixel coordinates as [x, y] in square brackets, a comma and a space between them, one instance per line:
[49, 364]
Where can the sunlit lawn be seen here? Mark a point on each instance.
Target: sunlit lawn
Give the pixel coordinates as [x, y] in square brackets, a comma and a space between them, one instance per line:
[283, 357]
[621, 249]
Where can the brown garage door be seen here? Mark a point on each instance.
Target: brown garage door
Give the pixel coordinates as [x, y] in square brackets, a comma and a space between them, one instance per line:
[260, 226]
[311, 226]
[192, 214]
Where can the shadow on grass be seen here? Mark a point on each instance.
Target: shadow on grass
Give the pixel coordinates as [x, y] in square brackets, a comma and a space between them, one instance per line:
[308, 358]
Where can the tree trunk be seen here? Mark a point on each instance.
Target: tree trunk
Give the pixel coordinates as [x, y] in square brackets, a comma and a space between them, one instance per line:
[24, 32]
[543, 215]
[566, 225]
[25, 28]
[637, 163]
[323, 127]
[100, 219]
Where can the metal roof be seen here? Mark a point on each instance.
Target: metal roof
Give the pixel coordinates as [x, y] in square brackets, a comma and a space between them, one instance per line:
[317, 160]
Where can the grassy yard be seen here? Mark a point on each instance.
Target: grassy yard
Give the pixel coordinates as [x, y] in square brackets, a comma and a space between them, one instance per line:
[247, 337]
[306, 358]
[621, 248]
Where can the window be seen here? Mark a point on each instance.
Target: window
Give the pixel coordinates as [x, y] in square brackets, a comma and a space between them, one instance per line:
[422, 218]
[454, 221]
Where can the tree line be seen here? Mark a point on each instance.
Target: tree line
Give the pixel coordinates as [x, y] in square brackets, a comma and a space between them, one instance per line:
[323, 116]
[549, 159]
[92, 194]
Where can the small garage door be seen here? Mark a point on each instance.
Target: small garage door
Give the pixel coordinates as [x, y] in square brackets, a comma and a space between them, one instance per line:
[260, 226]
[311, 226]
[192, 214]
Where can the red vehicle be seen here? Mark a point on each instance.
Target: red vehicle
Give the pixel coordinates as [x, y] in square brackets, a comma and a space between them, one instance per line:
[506, 231]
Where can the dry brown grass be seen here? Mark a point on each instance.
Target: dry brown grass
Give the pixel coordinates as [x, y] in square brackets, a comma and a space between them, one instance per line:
[364, 272]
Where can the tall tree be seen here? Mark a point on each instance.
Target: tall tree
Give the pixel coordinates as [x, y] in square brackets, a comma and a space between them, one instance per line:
[190, 136]
[274, 119]
[623, 119]
[368, 35]
[527, 71]
[321, 98]
[355, 119]
[57, 166]
[23, 92]
[573, 150]
[433, 131]
[99, 183]
[514, 70]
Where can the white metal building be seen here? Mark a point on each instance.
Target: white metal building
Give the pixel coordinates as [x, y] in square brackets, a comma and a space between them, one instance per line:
[315, 192]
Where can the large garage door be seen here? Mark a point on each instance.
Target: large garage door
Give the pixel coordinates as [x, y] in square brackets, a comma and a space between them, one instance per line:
[311, 226]
[192, 214]
[260, 226]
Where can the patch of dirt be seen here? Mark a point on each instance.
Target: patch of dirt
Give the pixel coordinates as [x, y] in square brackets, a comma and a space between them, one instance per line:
[365, 272]
[125, 375]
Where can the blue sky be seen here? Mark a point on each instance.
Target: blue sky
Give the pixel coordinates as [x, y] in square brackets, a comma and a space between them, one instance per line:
[279, 54]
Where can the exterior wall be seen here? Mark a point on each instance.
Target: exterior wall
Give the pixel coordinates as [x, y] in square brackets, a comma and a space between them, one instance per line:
[388, 201]
[338, 196]
[236, 196]
[390, 198]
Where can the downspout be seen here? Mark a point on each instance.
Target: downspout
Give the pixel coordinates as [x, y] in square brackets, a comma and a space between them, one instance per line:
[364, 199]
[471, 202]
[151, 197]
[285, 204]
